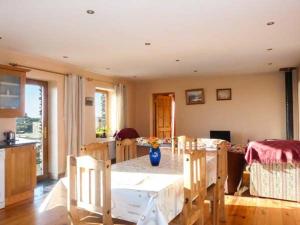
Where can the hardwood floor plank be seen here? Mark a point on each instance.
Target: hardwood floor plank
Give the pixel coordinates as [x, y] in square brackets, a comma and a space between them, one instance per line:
[239, 211]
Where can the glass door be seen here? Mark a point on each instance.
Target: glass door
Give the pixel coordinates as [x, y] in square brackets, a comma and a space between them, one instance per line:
[34, 125]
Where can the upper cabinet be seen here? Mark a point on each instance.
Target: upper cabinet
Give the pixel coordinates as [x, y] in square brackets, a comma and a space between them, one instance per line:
[12, 91]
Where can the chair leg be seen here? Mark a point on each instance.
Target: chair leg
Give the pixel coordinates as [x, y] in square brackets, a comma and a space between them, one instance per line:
[215, 213]
[215, 207]
[200, 221]
[73, 216]
[222, 207]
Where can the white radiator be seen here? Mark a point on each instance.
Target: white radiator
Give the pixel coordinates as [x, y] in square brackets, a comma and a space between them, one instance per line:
[2, 177]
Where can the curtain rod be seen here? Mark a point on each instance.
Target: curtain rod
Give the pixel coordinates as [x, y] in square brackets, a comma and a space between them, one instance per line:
[51, 71]
[35, 68]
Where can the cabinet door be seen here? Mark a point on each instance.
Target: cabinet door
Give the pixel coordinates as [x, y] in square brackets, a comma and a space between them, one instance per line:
[20, 173]
[2, 157]
[12, 86]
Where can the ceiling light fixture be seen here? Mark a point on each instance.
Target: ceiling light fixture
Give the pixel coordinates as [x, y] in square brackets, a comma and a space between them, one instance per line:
[177, 60]
[195, 71]
[269, 49]
[270, 23]
[270, 64]
[65, 57]
[147, 43]
[90, 11]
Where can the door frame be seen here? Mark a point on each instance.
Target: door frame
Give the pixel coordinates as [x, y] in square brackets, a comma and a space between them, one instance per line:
[173, 125]
[44, 84]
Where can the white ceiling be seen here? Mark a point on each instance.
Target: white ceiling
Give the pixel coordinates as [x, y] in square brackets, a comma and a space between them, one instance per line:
[213, 37]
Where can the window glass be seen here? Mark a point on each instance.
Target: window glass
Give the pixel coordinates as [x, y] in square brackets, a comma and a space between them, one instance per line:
[101, 113]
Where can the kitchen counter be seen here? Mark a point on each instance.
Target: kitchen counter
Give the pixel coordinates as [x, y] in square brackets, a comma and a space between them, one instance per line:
[17, 143]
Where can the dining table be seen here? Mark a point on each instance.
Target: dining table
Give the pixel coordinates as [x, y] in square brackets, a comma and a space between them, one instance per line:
[142, 193]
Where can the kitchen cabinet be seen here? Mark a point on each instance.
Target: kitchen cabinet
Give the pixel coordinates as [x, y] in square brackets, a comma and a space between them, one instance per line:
[12, 91]
[2, 175]
[20, 173]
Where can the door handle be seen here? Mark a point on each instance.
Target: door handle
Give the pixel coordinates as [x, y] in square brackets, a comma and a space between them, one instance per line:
[45, 133]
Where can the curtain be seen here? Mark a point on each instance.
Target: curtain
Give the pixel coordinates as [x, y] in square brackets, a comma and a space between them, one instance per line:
[74, 113]
[121, 106]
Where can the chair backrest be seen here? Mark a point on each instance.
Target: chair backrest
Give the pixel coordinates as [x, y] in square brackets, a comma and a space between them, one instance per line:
[220, 147]
[195, 171]
[89, 186]
[194, 184]
[126, 150]
[185, 143]
[99, 151]
[222, 168]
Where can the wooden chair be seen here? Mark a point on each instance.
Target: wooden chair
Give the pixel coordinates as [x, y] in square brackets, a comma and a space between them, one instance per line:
[126, 150]
[194, 188]
[89, 188]
[216, 192]
[99, 151]
[185, 143]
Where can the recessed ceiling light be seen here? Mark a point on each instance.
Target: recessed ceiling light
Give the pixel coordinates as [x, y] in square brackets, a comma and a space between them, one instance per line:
[147, 43]
[270, 23]
[195, 71]
[90, 11]
[269, 49]
[177, 60]
[65, 57]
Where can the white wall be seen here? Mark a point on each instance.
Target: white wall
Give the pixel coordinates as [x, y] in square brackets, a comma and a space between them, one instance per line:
[255, 112]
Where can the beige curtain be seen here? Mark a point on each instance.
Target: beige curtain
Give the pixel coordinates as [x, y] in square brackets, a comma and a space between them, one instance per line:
[74, 113]
[121, 106]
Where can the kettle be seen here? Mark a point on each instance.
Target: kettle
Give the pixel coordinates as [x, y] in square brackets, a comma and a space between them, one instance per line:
[10, 136]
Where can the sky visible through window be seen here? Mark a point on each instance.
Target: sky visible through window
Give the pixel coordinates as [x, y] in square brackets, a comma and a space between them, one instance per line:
[100, 109]
[32, 95]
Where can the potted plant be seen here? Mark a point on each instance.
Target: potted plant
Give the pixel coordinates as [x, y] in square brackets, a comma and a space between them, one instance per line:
[101, 132]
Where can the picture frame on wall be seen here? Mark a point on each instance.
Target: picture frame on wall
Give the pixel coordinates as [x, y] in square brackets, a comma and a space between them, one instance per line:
[224, 94]
[195, 96]
[89, 101]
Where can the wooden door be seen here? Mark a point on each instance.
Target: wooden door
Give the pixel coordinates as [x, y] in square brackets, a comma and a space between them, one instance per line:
[163, 115]
[20, 175]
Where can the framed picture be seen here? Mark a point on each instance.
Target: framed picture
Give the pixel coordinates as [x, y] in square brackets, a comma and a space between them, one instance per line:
[89, 101]
[194, 96]
[223, 94]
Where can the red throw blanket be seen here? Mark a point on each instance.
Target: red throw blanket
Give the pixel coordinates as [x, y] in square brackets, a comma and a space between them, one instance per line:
[126, 133]
[273, 151]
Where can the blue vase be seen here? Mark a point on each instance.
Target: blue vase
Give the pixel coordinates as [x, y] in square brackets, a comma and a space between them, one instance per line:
[154, 155]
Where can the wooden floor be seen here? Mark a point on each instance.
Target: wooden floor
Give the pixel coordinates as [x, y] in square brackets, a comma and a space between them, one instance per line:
[240, 211]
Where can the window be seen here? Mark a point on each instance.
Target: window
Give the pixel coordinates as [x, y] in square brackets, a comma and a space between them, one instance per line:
[101, 105]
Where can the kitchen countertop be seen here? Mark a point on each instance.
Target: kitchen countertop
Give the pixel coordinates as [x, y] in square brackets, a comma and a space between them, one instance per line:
[17, 143]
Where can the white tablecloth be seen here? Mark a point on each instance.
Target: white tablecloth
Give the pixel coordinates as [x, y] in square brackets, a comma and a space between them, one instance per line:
[141, 193]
